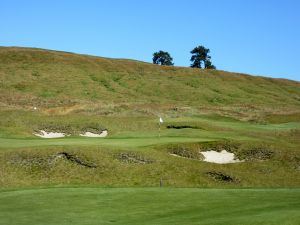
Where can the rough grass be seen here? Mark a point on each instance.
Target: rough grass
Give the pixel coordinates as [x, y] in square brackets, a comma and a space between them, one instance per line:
[271, 151]
[283, 118]
[120, 164]
[59, 82]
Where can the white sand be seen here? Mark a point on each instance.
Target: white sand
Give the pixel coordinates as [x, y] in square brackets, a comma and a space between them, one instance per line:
[44, 134]
[222, 157]
[104, 133]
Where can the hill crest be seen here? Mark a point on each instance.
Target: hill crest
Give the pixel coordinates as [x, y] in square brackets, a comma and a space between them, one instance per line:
[48, 79]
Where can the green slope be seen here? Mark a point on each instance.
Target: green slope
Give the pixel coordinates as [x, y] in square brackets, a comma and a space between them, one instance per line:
[47, 79]
[256, 118]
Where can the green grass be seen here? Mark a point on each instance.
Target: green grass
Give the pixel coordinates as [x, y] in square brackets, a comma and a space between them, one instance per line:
[149, 206]
[140, 135]
[114, 180]
[82, 141]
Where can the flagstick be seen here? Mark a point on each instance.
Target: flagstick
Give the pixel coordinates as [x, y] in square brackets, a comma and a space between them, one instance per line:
[159, 130]
[159, 123]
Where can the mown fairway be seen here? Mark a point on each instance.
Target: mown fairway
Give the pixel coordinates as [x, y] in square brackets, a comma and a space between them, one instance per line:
[149, 206]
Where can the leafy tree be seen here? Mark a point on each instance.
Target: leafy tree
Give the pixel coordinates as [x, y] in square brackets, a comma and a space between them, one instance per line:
[200, 58]
[162, 58]
[209, 65]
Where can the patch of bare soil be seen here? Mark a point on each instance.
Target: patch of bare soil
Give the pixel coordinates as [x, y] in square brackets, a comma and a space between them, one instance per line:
[35, 161]
[75, 159]
[256, 153]
[219, 176]
[185, 152]
[133, 158]
[181, 127]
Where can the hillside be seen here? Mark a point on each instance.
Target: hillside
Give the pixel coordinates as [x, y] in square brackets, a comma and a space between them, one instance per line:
[92, 140]
[51, 79]
[256, 120]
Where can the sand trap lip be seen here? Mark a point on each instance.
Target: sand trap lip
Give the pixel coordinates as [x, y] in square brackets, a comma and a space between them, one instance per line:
[104, 133]
[172, 154]
[222, 157]
[45, 134]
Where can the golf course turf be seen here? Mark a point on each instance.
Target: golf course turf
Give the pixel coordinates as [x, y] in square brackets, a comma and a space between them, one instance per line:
[149, 206]
[117, 179]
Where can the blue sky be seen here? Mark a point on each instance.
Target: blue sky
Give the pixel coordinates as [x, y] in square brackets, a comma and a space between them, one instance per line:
[260, 37]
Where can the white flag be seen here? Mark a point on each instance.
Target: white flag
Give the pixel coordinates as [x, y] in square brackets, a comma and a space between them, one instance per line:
[161, 120]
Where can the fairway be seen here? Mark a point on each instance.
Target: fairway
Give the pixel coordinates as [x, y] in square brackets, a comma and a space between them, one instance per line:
[149, 206]
[124, 142]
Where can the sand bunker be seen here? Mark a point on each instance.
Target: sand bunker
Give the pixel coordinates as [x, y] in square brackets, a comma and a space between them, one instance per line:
[45, 134]
[104, 133]
[222, 157]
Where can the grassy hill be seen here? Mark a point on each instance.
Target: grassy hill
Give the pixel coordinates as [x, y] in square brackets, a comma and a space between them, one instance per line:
[51, 80]
[74, 93]
[256, 118]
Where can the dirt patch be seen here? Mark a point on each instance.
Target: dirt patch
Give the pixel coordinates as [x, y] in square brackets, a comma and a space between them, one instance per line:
[75, 159]
[64, 110]
[256, 153]
[102, 134]
[218, 146]
[297, 164]
[181, 127]
[43, 162]
[219, 176]
[133, 158]
[295, 133]
[186, 152]
[53, 127]
[93, 129]
[31, 161]
[293, 159]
